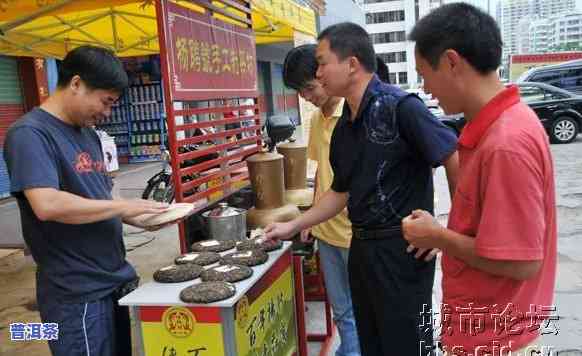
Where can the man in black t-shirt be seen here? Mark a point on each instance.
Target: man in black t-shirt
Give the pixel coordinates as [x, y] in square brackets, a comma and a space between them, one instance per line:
[70, 222]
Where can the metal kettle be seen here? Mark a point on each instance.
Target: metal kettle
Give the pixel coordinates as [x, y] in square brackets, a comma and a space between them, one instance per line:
[226, 223]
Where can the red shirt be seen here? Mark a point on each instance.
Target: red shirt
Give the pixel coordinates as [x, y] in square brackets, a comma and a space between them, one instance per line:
[505, 199]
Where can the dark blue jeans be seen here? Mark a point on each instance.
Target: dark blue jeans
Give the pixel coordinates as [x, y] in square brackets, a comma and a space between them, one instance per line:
[96, 328]
[334, 262]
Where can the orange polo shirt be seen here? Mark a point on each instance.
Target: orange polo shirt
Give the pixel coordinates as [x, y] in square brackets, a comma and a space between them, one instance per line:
[505, 199]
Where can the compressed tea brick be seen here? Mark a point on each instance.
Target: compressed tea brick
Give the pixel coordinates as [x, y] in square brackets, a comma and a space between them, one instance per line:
[207, 292]
[247, 258]
[178, 273]
[213, 246]
[259, 243]
[227, 273]
[199, 258]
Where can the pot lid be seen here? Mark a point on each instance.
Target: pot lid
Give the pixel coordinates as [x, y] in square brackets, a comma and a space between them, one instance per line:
[264, 157]
[223, 210]
[292, 145]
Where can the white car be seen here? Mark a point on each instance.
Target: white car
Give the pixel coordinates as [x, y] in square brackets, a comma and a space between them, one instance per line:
[429, 101]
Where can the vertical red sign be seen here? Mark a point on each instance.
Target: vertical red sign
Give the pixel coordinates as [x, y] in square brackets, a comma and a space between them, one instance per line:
[209, 58]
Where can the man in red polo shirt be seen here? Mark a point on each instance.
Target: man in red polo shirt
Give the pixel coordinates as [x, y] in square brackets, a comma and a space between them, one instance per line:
[499, 249]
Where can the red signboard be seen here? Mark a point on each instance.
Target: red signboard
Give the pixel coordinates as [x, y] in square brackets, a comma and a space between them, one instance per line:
[208, 58]
[545, 57]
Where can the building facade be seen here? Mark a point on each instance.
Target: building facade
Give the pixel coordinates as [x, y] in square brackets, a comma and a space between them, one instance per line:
[557, 33]
[389, 22]
[565, 30]
[511, 12]
[539, 36]
[341, 11]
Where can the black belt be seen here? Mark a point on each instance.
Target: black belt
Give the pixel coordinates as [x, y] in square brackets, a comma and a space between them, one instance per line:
[371, 234]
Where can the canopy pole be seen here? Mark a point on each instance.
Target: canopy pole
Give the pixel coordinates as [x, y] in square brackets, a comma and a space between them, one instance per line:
[27, 18]
[114, 28]
[54, 35]
[137, 44]
[75, 27]
[129, 22]
[27, 48]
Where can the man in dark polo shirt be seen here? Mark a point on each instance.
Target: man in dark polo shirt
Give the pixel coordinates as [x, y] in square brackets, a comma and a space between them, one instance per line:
[382, 152]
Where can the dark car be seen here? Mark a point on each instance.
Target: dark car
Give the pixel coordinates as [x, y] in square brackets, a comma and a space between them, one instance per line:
[559, 111]
[567, 76]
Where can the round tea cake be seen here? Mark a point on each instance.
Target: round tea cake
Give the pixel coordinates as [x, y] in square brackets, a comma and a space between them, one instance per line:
[177, 273]
[199, 258]
[174, 212]
[259, 243]
[213, 246]
[246, 258]
[207, 292]
[227, 273]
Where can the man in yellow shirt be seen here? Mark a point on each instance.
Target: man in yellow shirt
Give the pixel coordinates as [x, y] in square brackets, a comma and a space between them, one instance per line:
[334, 235]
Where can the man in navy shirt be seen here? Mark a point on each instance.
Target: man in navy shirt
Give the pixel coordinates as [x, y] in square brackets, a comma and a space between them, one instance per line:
[70, 222]
[382, 153]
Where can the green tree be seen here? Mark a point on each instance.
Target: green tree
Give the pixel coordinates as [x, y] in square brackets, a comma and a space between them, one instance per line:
[571, 46]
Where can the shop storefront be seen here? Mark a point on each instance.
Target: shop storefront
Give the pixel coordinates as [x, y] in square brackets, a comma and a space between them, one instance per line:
[11, 108]
[210, 82]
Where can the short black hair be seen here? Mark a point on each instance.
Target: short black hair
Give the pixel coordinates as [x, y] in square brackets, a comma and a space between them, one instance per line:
[349, 39]
[382, 70]
[300, 66]
[98, 67]
[464, 28]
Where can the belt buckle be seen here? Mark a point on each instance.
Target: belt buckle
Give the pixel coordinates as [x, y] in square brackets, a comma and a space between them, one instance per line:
[358, 233]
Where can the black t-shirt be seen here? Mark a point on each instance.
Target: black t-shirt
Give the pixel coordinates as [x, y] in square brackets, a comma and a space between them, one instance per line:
[76, 263]
[384, 158]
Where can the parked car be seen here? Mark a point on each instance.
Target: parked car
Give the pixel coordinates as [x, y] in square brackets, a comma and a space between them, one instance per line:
[559, 111]
[567, 76]
[427, 98]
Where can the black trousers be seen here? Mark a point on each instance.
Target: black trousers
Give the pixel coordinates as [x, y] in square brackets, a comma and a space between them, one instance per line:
[392, 298]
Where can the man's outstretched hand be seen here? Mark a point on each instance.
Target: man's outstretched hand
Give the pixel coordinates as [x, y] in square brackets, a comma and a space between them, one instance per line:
[281, 231]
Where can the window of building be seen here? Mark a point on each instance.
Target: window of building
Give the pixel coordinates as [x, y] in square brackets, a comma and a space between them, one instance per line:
[393, 57]
[402, 78]
[388, 37]
[392, 77]
[384, 17]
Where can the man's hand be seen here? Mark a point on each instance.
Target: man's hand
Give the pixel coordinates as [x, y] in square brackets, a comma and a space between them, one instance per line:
[422, 251]
[281, 231]
[421, 230]
[306, 237]
[135, 221]
[133, 208]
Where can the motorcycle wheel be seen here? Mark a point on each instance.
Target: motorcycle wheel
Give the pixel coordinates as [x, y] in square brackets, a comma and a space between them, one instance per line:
[153, 191]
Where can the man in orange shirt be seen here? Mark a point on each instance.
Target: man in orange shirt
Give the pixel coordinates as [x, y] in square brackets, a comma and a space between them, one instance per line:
[499, 250]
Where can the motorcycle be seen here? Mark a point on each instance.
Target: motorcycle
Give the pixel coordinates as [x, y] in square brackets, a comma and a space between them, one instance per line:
[160, 187]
